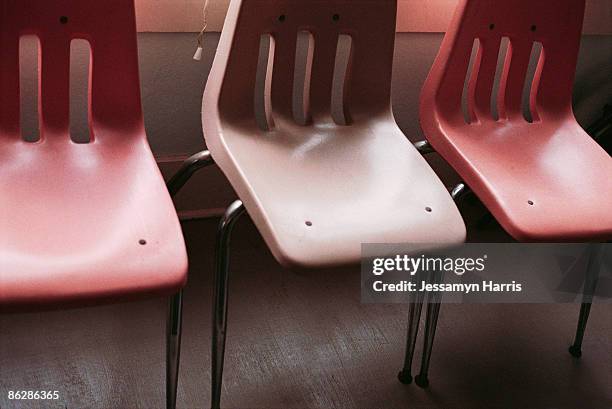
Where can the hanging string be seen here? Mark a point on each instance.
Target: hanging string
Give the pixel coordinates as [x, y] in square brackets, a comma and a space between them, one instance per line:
[198, 54]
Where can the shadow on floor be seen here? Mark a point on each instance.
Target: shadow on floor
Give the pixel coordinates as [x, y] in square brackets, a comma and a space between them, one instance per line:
[302, 339]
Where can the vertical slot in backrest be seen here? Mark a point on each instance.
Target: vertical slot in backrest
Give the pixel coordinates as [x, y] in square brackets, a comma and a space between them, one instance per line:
[304, 51]
[263, 83]
[501, 75]
[29, 85]
[467, 97]
[340, 84]
[80, 60]
[532, 82]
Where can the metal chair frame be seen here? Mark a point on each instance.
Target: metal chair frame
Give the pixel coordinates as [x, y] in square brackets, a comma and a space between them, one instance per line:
[236, 209]
[459, 192]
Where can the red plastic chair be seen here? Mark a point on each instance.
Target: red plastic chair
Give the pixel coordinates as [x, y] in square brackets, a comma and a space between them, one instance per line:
[543, 179]
[83, 224]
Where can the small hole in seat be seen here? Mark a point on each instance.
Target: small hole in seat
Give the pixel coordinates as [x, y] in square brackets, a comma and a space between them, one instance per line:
[534, 27]
[63, 20]
[530, 202]
[308, 223]
[142, 242]
[428, 209]
[336, 17]
[282, 18]
[491, 26]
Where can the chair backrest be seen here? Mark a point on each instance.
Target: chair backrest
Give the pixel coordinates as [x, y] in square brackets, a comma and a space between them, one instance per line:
[555, 24]
[114, 90]
[366, 87]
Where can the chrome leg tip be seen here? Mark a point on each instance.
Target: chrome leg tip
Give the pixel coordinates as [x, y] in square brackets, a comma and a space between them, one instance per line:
[404, 377]
[575, 351]
[421, 381]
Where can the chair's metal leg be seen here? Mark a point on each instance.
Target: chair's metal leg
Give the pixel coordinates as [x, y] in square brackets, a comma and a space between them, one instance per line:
[576, 348]
[174, 326]
[424, 147]
[174, 321]
[222, 256]
[459, 192]
[189, 167]
[431, 322]
[590, 283]
[414, 313]
[433, 309]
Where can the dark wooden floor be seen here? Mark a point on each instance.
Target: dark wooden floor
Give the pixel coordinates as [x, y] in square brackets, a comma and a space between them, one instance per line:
[302, 339]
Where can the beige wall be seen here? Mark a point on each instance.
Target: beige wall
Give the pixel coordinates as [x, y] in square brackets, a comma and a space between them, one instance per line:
[179, 15]
[413, 15]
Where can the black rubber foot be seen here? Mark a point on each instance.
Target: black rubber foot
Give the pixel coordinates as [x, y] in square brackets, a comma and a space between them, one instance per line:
[404, 377]
[575, 351]
[421, 380]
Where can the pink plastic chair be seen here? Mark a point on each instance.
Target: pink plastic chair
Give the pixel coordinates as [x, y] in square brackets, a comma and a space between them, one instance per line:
[543, 178]
[86, 223]
[532, 176]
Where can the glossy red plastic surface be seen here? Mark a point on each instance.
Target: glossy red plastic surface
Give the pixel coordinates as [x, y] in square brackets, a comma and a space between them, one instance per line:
[543, 181]
[81, 223]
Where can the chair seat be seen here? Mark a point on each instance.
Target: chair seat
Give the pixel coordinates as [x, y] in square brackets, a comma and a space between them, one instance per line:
[85, 223]
[545, 181]
[316, 193]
